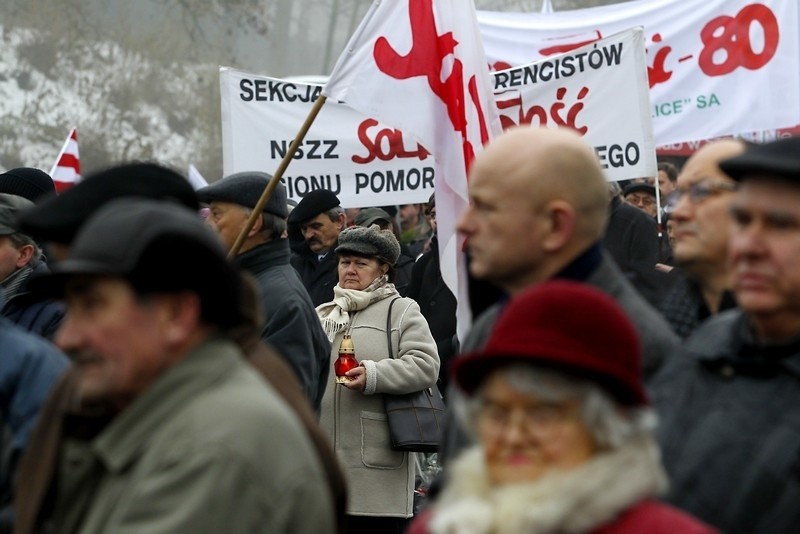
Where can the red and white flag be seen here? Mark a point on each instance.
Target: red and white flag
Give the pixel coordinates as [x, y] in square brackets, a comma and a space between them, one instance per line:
[67, 169]
[419, 65]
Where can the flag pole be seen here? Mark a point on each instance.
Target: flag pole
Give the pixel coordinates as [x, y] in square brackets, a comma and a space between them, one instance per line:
[276, 178]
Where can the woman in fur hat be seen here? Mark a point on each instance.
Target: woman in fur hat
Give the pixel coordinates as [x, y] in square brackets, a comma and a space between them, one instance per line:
[380, 480]
[563, 426]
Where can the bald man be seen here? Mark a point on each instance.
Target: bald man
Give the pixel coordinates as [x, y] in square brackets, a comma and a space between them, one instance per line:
[702, 226]
[538, 210]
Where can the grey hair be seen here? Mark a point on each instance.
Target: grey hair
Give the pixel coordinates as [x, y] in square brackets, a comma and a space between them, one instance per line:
[19, 240]
[614, 190]
[272, 226]
[610, 424]
[334, 213]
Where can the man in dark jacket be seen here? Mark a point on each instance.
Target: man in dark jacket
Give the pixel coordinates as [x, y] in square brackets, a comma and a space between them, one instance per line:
[436, 302]
[631, 238]
[290, 323]
[730, 430]
[21, 258]
[539, 204]
[314, 227]
[702, 227]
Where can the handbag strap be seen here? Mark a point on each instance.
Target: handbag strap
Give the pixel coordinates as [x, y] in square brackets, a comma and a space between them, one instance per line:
[389, 328]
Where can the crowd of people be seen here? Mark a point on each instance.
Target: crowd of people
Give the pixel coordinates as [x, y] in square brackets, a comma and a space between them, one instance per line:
[170, 358]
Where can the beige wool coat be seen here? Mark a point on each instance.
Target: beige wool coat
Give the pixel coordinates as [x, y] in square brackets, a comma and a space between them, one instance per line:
[380, 481]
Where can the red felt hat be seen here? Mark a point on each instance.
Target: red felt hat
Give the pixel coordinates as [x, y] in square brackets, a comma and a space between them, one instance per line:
[567, 326]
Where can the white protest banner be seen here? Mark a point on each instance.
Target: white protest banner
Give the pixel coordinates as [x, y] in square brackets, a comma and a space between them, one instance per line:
[367, 163]
[419, 65]
[364, 162]
[716, 67]
[600, 90]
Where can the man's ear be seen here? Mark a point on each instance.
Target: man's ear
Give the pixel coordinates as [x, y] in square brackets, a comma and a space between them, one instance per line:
[561, 225]
[257, 226]
[341, 221]
[25, 255]
[182, 314]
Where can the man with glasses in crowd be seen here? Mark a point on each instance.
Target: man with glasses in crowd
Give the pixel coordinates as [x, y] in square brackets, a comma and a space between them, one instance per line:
[642, 196]
[701, 227]
[729, 427]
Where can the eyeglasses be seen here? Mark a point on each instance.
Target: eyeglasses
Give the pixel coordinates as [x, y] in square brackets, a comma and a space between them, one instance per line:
[539, 420]
[700, 191]
[644, 200]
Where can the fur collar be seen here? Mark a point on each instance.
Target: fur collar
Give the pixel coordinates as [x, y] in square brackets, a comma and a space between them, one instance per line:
[576, 501]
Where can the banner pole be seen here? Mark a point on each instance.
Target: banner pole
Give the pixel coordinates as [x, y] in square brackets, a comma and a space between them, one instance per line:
[276, 178]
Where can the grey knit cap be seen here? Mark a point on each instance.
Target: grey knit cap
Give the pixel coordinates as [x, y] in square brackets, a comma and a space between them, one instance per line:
[371, 241]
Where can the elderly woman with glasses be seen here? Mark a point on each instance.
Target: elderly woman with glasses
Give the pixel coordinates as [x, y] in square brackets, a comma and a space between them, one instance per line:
[562, 423]
[380, 480]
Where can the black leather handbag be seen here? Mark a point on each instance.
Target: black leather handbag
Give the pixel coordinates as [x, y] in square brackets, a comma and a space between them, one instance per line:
[415, 419]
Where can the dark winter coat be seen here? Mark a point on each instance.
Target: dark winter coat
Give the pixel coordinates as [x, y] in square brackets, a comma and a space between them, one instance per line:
[730, 427]
[32, 312]
[684, 307]
[631, 239]
[291, 324]
[437, 304]
[318, 277]
[402, 273]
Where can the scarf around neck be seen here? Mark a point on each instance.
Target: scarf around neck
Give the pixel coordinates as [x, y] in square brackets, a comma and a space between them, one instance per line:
[335, 315]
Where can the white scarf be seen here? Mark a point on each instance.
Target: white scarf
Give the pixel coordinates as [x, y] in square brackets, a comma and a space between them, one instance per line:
[561, 502]
[335, 315]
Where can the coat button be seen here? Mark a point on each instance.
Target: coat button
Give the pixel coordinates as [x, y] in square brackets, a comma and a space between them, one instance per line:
[727, 371]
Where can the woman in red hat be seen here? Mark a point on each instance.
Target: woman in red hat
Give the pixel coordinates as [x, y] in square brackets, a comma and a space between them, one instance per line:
[563, 426]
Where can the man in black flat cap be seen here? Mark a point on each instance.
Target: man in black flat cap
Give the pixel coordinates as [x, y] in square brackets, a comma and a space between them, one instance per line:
[55, 219]
[193, 439]
[314, 227]
[290, 323]
[728, 402]
[27, 182]
[642, 196]
[21, 259]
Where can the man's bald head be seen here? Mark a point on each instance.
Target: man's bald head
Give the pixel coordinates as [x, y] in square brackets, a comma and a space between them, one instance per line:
[549, 185]
[706, 160]
[552, 164]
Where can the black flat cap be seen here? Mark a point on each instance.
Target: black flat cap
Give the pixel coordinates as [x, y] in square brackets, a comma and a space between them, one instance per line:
[314, 203]
[159, 248]
[778, 159]
[57, 218]
[245, 189]
[26, 182]
[639, 188]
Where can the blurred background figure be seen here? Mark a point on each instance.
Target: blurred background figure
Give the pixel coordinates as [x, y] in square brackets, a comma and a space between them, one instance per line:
[21, 258]
[563, 426]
